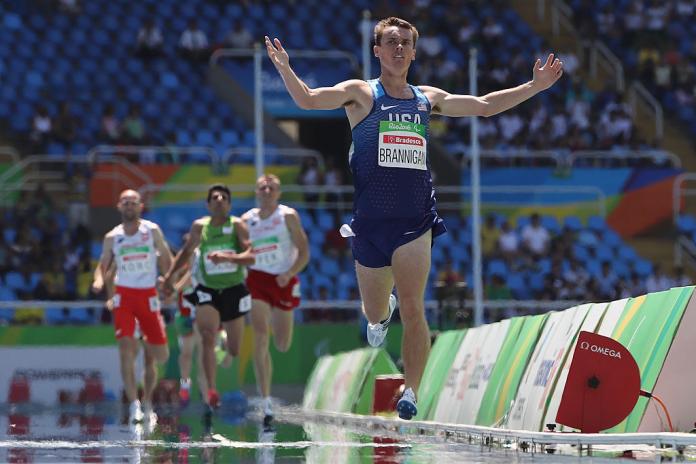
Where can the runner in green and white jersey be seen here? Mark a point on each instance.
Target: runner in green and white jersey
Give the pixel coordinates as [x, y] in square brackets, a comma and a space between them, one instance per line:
[220, 295]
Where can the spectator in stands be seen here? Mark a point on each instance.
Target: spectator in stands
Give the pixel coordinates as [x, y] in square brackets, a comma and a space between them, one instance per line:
[134, 127]
[535, 237]
[55, 281]
[450, 291]
[497, 289]
[633, 21]
[238, 37]
[322, 314]
[149, 42]
[41, 129]
[65, 125]
[84, 279]
[658, 280]
[607, 282]
[71, 7]
[489, 237]
[636, 284]
[680, 277]
[492, 31]
[42, 290]
[333, 180]
[71, 267]
[110, 131]
[508, 243]
[449, 276]
[576, 279]
[193, 43]
[429, 43]
[467, 31]
[5, 258]
[51, 240]
[310, 177]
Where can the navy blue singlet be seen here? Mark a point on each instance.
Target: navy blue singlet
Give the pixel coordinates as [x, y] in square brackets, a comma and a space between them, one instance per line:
[391, 171]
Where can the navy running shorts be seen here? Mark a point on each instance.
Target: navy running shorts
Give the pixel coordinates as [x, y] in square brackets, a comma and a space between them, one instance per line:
[376, 240]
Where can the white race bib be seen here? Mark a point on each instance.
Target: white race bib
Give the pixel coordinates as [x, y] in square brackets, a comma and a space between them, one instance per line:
[402, 145]
[221, 268]
[135, 260]
[267, 251]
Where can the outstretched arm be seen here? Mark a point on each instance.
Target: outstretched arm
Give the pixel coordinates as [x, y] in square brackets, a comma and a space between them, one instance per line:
[493, 103]
[321, 98]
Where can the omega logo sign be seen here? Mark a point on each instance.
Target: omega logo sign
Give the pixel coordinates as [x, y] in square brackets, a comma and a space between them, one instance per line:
[600, 349]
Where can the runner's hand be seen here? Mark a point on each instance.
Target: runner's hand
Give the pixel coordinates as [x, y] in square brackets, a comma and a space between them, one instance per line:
[165, 286]
[98, 286]
[545, 76]
[283, 279]
[279, 57]
[218, 257]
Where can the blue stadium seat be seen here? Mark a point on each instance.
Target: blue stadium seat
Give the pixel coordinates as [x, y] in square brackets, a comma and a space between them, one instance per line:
[329, 266]
[627, 253]
[15, 281]
[518, 286]
[605, 253]
[686, 224]
[55, 316]
[551, 224]
[324, 220]
[536, 281]
[643, 267]
[9, 234]
[573, 223]
[95, 249]
[597, 223]
[497, 266]
[611, 238]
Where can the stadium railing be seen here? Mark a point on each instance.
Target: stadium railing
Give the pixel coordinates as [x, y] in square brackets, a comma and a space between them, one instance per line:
[565, 158]
[9, 152]
[97, 153]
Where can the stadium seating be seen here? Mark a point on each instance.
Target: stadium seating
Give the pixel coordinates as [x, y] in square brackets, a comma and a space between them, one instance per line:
[673, 43]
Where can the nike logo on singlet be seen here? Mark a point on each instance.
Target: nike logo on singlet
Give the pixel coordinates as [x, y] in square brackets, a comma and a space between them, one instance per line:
[384, 108]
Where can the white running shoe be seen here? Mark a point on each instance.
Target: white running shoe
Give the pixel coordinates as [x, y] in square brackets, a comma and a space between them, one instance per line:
[376, 333]
[406, 407]
[135, 412]
[149, 415]
[267, 406]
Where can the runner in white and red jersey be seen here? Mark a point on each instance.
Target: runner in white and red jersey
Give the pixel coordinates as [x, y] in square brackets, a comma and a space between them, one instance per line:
[139, 252]
[280, 246]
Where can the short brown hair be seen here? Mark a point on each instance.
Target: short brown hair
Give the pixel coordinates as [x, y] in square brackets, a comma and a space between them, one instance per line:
[268, 178]
[394, 21]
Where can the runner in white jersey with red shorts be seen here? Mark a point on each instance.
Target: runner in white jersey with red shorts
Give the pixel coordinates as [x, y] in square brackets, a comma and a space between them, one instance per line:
[280, 245]
[139, 250]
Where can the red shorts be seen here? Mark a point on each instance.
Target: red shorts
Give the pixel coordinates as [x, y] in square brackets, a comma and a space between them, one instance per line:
[263, 286]
[143, 305]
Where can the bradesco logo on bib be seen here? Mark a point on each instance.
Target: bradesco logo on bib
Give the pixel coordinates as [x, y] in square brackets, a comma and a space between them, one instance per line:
[267, 250]
[402, 145]
[135, 259]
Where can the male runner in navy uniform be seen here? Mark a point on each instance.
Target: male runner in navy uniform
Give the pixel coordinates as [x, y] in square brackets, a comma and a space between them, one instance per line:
[394, 217]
